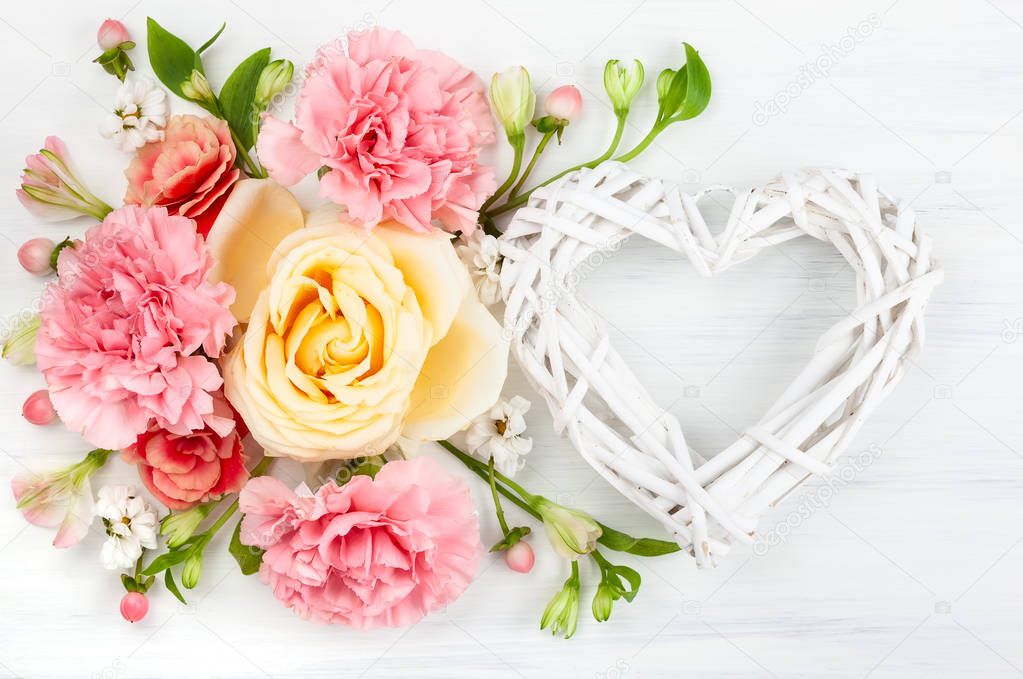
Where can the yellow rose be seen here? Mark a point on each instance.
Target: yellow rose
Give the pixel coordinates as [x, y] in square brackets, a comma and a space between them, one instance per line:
[354, 337]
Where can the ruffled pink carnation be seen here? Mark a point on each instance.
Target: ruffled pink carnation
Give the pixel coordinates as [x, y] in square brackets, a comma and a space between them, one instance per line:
[120, 329]
[398, 129]
[371, 553]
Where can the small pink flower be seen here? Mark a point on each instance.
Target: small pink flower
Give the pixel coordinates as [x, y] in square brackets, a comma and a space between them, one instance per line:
[51, 191]
[34, 256]
[398, 130]
[520, 557]
[134, 606]
[374, 552]
[37, 408]
[121, 327]
[189, 172]
[565, 103]
[182, 471]
[111, 34]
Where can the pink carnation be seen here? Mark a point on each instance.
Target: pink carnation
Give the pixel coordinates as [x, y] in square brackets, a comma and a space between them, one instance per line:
[120, 329]
[374, 552]
[399, 130]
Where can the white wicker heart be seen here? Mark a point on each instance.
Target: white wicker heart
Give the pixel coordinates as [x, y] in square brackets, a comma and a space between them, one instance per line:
[709, 503]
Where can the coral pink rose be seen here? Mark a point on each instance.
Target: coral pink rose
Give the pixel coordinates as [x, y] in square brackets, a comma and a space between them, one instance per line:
[189, 172]
[182, 471]
[121, 328]
[397, 129]
[374, 552]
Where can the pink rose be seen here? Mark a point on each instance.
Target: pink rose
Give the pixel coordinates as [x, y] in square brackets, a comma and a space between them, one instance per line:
[374, 552]
[121, 328]
[188, 172]
[398, 130]
[184, 470]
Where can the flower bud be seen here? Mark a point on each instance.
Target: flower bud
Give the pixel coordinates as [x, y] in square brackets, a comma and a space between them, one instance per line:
[571, 533]
[663, 83]
[622, 84]
[272, 81]
[565, 103]
[513, 99]
[19, 348]
[34, 256]
[50, 190]
[177, 527]
[111, 34]
[520, 557]
[603, 600]
[562, 613]
[134, 606]
[197, 88]
[38, 409]
[192, 570]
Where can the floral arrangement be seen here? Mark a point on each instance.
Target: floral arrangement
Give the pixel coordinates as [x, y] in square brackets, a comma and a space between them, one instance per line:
[210, 326]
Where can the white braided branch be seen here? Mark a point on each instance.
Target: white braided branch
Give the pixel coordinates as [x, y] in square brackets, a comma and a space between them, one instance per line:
[610, 418]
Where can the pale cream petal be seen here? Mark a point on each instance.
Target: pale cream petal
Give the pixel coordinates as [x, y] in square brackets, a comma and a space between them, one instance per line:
[462, 376]
[255, 219]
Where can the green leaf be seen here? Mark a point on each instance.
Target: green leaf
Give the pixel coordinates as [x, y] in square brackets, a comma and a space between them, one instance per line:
[129, 583]
[632, 577]
[172, 587]
[238, 95]
[623, 542]
[248, 558]
[209, 42]
[698, 88]
[170, 56]
[165, 561]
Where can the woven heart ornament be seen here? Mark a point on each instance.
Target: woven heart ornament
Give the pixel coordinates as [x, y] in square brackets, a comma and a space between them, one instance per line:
[709, 503]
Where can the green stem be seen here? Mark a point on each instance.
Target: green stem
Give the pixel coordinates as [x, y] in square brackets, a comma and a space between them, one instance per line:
[259, 470]
[532, 161]
[497, 498]
[477, 468]
[658, 127]
[518, 145]
[518, 200]
[250, 166]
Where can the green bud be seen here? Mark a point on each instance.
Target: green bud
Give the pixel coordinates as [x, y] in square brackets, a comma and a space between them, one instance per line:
[19, 348]
[603, 600]
[562, 613]
[622, 84]
[197, 88]
[513, 100]
[192, 570]
[272, 81]
[663, 83]
[178, 527]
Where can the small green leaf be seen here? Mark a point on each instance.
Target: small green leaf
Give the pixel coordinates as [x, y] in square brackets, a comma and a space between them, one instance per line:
[209, 42]
[238, 94]
[248, 558]
[698, 88]
[632, 577]
[170, 56]
[172, 587]
[129, 583]
[165, 561]
[623, 542]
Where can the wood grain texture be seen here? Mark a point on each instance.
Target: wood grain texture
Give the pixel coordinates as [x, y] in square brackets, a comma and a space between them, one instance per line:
[908, 568]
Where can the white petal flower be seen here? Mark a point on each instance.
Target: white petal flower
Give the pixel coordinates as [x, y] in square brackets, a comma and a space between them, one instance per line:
[480, 255]
[130, 523]
[139, 116]
[498, 434]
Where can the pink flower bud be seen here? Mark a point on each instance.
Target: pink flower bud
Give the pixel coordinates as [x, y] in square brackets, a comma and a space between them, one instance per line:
[564, 103]
[111, 34]
[34, 255]
[38, 409]
[134, 606]
[520, 557]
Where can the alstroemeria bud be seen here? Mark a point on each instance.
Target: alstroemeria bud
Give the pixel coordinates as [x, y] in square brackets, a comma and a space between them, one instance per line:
[177, 527]
[192, 570]
[272, 81]
[562, 613]
[572, 533]
[34, 256]
[622, 84]
[513, 100]
[197, 88]
[134, 606]
[565, 103]
[603, 601]
[38, 409]
[519, 557]
[111, 34]
[50, 190]
[663, 83]
[19, 348]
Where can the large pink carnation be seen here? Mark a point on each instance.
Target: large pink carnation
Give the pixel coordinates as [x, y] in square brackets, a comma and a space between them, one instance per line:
[399, 130]
[120, 329]
[373, 552]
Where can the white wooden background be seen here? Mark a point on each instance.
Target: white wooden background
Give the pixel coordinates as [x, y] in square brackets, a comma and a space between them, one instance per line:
[909, 567]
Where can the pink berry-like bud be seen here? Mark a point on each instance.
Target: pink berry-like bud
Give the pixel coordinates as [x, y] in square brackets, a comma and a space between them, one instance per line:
[520, 557]
[38, 409]
[564, 103]
[34, 256]
[111, 34]
[134, 606]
